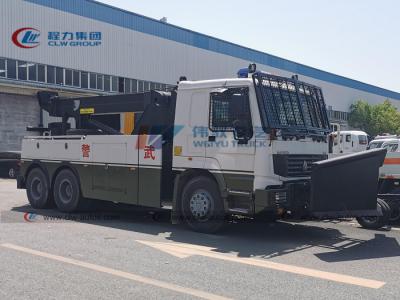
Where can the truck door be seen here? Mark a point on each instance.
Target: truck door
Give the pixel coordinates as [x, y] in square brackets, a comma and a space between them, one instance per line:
[355, 143]
[347, 143]
[230, 149]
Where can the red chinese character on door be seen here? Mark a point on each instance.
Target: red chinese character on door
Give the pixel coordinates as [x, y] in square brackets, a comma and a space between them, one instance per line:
[85, 150]
[149, 152]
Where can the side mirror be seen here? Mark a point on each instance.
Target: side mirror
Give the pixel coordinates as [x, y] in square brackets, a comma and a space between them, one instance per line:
[241, 131]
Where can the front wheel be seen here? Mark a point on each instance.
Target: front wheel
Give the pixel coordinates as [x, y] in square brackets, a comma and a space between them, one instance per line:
[202, 206]
[378, 221]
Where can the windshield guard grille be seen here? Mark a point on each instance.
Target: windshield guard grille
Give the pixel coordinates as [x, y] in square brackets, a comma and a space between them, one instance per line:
[290, 105]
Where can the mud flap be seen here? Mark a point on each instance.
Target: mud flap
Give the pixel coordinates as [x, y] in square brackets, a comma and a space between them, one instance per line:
[346, 186]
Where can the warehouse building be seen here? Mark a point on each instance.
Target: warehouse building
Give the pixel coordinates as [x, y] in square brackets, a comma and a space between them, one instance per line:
[82, 47]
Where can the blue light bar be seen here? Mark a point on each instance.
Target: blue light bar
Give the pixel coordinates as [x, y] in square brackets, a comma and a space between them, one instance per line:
[243, 73]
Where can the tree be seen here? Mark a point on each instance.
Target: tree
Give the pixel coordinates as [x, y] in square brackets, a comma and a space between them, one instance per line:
[360, 116]
[375, 119]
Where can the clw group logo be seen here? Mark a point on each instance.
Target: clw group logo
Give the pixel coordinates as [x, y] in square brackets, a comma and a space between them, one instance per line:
[30, 217]
[26, 38]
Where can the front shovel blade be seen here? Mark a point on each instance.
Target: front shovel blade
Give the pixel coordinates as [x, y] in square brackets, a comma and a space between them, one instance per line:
[346, 186]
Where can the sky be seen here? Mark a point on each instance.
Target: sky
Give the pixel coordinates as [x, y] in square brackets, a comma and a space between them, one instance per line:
[359, 39]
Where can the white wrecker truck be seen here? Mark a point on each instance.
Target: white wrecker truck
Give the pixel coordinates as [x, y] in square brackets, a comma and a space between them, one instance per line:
[256, 145]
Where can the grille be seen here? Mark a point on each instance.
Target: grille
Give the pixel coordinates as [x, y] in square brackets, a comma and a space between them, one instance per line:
[291, 105]
[295, 165]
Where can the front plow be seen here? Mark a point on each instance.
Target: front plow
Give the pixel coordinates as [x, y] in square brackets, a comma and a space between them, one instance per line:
[346, 186]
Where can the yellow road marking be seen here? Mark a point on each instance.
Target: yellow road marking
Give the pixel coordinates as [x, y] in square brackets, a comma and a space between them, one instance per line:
[122, 274]
[185, 250]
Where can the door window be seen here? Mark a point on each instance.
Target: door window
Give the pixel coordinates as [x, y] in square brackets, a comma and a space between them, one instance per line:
[227, 106]
[363, 140]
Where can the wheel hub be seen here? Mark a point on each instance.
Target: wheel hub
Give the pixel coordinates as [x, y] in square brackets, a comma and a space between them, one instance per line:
[200, 204]
[36, 188]
[370, 219]
[65, 191]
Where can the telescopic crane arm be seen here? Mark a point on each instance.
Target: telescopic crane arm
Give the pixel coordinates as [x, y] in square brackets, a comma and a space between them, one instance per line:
[156, 106]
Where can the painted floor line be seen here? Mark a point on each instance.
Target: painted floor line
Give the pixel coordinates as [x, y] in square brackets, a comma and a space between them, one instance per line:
[182, 250]
[122, 274]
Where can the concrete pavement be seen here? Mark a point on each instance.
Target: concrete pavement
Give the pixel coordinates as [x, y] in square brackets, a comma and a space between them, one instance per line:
[115, 252]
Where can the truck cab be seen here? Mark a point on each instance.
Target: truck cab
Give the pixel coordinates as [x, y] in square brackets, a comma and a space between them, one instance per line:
[226, 134]
[383, 143]
[349, 141]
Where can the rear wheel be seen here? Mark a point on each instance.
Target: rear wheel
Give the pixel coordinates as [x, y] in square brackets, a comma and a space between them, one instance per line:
[379, 221]
[202, 206]
[37, 189]
[67, 192]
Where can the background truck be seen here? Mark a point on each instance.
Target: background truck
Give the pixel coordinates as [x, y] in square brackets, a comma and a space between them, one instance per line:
[9, 164]
[253, 146]
[347, 141]
[389, 182]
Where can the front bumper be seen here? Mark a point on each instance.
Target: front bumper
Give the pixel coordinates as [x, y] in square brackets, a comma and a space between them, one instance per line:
[345, 186]
[292, 196]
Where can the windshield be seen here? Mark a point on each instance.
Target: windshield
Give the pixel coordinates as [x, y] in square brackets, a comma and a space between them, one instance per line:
[391, 147]
[294, 107]
[362, 139]
[375, 145]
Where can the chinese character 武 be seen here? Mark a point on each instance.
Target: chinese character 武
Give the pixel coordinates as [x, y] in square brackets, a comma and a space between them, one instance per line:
[149, 152]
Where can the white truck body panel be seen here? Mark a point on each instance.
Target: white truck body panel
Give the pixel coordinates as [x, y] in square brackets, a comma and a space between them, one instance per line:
[124, 150]
[391, 166]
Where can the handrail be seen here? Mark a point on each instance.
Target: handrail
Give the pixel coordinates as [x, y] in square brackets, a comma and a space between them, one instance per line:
[60, 137]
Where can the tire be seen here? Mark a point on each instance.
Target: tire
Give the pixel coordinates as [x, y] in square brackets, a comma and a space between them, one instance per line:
[395, 216]
[201, 205]
[67, 192]
[376, 222]
[12, 173]
[37, 189]
[394, 205]
[395, 212]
